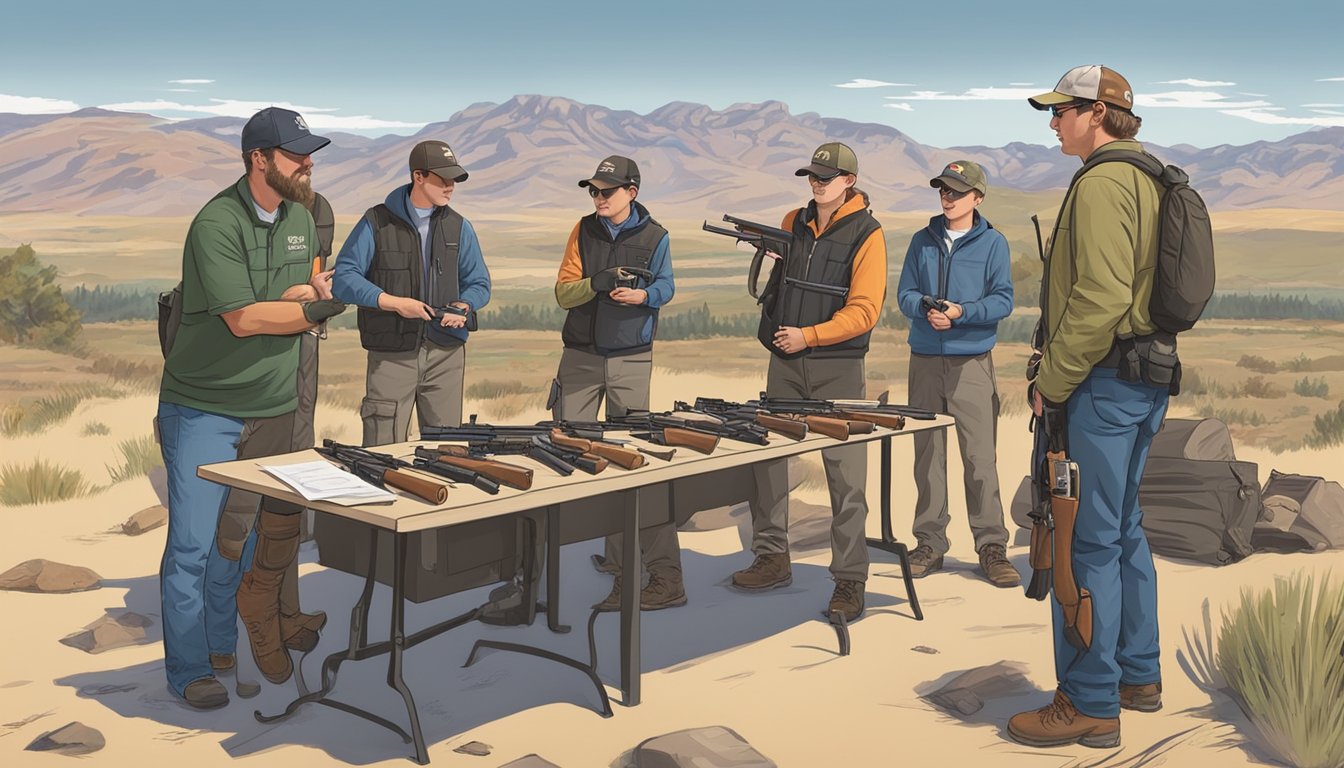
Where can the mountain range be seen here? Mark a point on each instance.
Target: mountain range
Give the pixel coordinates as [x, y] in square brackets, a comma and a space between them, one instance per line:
[528, 153]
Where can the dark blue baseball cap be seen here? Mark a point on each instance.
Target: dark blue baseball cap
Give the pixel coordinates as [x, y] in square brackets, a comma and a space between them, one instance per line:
[283, 128]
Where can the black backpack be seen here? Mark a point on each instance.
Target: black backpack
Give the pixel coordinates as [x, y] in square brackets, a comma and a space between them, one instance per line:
[1184, 279]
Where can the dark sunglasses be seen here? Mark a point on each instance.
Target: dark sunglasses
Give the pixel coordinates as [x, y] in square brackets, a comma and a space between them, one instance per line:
[1058, 111]
[823, 180]
[951, 194]
[606, 194]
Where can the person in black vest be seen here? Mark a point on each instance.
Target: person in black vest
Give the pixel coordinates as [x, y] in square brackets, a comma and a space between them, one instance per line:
[818, 339]
[267, 595]
[608, 336]
[405, 261]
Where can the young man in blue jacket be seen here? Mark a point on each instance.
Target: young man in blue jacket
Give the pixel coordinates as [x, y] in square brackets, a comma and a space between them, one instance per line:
[955, 287]
[405, 261]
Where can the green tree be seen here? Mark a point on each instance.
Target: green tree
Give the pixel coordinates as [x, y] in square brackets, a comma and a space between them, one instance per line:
[33, 312]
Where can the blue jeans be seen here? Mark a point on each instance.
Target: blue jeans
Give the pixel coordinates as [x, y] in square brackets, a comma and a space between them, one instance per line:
[1111, 424]
[196, 583]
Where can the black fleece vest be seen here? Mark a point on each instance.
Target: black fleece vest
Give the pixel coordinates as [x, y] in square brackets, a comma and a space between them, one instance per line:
[398, 268]
[603, 326]
[829, 260]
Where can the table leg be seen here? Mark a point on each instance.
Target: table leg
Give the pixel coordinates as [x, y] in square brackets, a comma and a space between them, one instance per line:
[888, 542]
[632, 571]
[398, 633]
[553, 571]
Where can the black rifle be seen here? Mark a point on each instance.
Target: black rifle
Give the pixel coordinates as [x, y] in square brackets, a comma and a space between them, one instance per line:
[484, 441]
[383, 471]
[804, 405]
[738, 414]
[456, 474]
[740, 431]
[768, 240]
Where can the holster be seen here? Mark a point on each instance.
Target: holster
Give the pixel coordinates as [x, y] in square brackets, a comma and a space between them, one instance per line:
[1074, 601]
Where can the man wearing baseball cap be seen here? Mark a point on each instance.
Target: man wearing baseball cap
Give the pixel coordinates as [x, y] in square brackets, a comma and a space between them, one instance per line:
[955, 287]
[246, 298]
[408, 259]
[608, 335]
[1094, 305]
[817, 327]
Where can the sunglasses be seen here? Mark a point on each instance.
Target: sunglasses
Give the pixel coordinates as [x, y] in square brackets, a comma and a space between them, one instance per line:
[606, 194]
[950, 194]
[1059, 111]
[823, 180]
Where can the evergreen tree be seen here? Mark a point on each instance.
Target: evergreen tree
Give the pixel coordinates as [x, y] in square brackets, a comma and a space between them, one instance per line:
[33, 311]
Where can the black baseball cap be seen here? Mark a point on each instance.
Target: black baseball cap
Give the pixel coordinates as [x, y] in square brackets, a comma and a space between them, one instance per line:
[437, 158]
[615, 171]
[283, 128]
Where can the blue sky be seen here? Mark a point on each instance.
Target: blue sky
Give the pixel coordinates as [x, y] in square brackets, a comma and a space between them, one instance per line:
[946, 73]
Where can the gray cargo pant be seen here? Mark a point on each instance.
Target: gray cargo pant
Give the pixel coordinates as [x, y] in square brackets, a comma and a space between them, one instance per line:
[583, 380]
[964, 388]
[429, 378]
[846, 468]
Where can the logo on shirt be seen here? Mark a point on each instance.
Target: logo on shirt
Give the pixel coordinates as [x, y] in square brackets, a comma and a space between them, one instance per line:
[297, 243]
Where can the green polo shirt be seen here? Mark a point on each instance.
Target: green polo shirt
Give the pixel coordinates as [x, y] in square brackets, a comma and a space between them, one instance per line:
[232, 259]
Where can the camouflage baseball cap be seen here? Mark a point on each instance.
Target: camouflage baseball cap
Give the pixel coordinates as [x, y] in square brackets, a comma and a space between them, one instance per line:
[961, 176]
[1092, 82]
[829, 159]
[437, 157]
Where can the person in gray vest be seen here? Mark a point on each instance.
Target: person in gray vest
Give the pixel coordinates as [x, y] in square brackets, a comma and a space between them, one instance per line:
[955, 287]
[608, 336]
[267, 595]
[818, 339]
[404, 262]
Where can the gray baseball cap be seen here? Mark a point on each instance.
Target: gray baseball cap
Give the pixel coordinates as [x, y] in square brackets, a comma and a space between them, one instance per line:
[437, 158]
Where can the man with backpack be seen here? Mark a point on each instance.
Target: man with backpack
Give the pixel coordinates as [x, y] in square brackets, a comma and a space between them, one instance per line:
[1105, 372]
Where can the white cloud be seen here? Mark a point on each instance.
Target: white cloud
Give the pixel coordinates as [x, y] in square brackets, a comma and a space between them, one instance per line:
[35, 105]
[1195, 100]
[1256, 95]
[1331, 80]
[971, 94]
[1023, 85]
[1267, 117]
[1327, 112]
[1195, 83]
[1324, 106]
[316, 117]
[191, 81]
[860, 82]
[181, 90]
[901, 105]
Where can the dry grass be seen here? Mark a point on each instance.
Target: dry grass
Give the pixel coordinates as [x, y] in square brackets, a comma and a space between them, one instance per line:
[40, 482]
[28, 417]
[139, 456]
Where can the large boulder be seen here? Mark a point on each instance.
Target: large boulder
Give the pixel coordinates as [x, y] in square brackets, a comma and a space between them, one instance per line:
[710, 747]
[48, 577]
[71, 739]
[110, 632]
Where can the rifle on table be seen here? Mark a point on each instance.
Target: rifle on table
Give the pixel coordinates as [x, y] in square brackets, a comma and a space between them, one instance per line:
[383, 471]
[578, 444]
[661, 429]
[481, 446]
[769, 241]
[500, 472]
[833, 425]
[703, 424]
[736, 415]
[866, 409]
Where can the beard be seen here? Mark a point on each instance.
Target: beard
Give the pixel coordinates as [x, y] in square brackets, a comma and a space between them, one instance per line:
[297, 188]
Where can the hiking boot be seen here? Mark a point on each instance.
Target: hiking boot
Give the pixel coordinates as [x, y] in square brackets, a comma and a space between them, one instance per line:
[260, 612]
[994, 564]
[1060, 723]
[300, 630]
[222, 662]
[206, 693]
[612, 602]
[664, 590]
[765, 572]
[923, 561]
[1141, 698]
[602, 565]
[847, 599]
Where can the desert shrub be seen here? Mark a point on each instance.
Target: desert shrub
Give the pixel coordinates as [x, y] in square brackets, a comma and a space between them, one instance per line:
[1231, 416]
[141, 376]
[1298, 364]
[1258, 364]
[1309, 388]
[49, 410]
[489, 389]
[1258, 386]
[1280, 652]
[1328, 429]
[95, 428]
[40, 482]
[139, 456]
[1194, 383]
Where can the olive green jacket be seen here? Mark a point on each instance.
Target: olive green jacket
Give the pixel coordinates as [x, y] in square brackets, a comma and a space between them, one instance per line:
[1098, 272]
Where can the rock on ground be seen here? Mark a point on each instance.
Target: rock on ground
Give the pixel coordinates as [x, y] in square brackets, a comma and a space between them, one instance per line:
[474, 748]
[110, 632]
[71, 739]
[48, 577]
[966, 693]
[146, 519]
[711, 747]
[530, 761]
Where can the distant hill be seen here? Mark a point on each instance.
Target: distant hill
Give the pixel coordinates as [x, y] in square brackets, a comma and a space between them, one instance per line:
[529, 152]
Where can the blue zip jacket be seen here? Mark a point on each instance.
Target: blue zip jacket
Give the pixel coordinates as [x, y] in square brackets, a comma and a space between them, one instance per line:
[350, 285]
[976, 275]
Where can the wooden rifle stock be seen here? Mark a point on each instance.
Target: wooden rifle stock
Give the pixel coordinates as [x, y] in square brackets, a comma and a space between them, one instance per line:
[888, 420]
[833, 428]
[511, 475]
[794, 430]
[859, 426]
[1075, 602]
[420, 487]
[625, 458]
[703, 442]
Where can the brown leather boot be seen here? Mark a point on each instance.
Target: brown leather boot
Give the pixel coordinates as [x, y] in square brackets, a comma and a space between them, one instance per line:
[222, 662]
[996, 567]
[1141, 698]
[847, 599]
[1060, 723]
[923, 561]
[664, 590]
[765, 572]
[259, 593]
[612, 602]
[300, 630]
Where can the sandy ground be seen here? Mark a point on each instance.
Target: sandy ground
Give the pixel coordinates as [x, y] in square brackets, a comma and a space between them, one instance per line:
[764, 665]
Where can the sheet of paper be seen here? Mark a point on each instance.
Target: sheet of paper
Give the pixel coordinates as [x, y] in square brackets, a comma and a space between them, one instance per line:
[321, 481]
